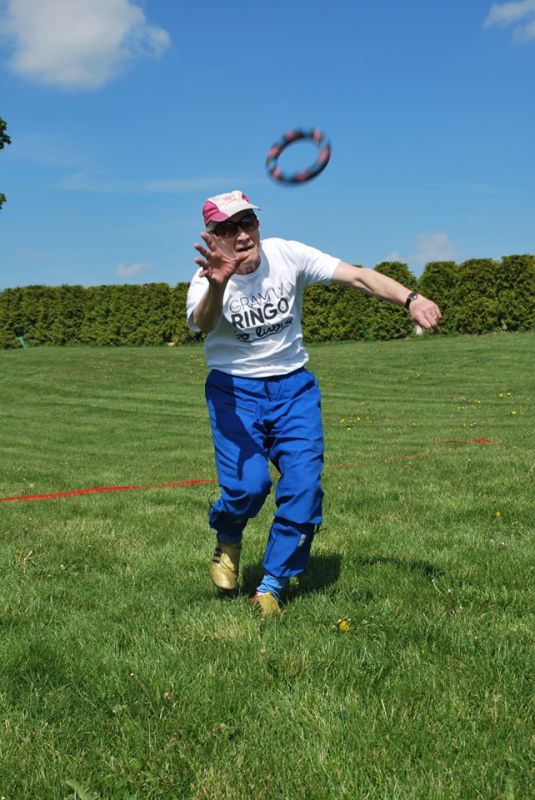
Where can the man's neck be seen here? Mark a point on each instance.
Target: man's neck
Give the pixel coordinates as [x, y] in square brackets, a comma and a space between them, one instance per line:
[247, 269]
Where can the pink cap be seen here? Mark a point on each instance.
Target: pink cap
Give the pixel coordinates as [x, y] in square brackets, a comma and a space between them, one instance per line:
[223, 206]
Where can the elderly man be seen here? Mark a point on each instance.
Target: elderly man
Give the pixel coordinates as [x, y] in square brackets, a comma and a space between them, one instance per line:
[264, 406]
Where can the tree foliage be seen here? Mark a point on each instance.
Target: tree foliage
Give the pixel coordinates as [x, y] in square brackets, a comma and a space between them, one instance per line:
[515, 290]
[146, 314]
[478, 296]
[439, 281]
[389, 321]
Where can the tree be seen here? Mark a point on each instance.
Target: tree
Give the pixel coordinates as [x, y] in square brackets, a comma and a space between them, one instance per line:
[4, 139]
[439, 281]
[390, 321]
[476, 297]
[515, 288]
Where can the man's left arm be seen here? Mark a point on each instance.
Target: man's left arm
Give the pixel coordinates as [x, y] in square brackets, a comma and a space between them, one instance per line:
[423, 311]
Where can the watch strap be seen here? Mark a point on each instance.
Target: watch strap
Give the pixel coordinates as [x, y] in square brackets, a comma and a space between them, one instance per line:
[412, 296]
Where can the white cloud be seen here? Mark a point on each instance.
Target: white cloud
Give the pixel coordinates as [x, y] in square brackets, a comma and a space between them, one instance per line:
[89, 182]
[428, 247]
[520, 14]
[433, 247]
[50, 150]
[130, 270]
[79, 44]
[526, 31]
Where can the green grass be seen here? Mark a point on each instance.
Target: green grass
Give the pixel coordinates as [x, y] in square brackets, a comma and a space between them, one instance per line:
[123, 673]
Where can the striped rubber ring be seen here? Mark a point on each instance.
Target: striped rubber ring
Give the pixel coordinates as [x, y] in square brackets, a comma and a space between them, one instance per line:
[313, 135]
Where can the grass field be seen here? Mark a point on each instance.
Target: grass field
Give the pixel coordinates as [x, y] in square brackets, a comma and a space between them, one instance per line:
[124, 675]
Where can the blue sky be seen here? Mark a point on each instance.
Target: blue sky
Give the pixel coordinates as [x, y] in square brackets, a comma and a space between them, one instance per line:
[125, 115]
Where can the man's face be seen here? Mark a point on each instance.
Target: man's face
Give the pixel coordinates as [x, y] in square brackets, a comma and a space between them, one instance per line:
[235, 239]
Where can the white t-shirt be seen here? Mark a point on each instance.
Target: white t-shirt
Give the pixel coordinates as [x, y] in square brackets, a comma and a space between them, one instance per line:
[259, 333]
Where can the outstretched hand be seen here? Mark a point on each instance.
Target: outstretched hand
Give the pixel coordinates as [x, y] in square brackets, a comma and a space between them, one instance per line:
[216, 265]
[424, 313]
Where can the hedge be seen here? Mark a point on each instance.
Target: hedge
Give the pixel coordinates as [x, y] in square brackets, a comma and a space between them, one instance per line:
[478, 296]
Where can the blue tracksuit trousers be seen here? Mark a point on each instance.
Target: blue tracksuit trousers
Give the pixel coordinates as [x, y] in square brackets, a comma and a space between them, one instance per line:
[255, 421]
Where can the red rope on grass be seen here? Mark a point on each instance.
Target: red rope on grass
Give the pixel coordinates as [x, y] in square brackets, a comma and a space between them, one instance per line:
[99, 489]
[466, 441]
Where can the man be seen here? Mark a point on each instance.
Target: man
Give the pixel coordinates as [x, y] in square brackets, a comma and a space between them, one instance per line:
[264, 406]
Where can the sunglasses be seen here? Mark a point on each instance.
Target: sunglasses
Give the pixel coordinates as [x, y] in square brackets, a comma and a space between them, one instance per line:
[228, 229]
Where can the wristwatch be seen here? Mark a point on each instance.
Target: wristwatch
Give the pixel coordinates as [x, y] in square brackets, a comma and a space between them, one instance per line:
[412, 296]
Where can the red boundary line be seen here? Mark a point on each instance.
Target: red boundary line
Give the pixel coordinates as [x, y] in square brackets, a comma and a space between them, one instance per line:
[100, 489]
[201, 482]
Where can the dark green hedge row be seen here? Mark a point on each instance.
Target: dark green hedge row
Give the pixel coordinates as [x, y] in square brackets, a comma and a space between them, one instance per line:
[147, 314]
[478, 296]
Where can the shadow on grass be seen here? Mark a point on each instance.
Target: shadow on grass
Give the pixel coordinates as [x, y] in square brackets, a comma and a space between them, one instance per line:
[425, 568]
[322, 571]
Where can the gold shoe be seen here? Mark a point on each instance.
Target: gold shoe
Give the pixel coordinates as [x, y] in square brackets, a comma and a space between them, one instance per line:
[225, 565]
[266, 604]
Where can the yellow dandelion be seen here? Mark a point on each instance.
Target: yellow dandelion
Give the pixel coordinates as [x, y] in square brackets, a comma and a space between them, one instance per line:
[513, 413]
[343, 624]
[498, 514]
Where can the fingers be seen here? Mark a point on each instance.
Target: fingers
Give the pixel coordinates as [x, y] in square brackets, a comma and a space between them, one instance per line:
[204, 266]
[431, 319]
[434, 316]
[208, 238]
[206, 252]
[215, 262]
[202, 250]
[208, 247]
[425, 314]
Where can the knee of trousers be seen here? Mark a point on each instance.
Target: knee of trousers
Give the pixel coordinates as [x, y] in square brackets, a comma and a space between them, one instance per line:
[236, 505]
[300, 506]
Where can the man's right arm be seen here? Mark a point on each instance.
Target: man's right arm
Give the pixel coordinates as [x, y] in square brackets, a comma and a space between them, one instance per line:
[207, 312]
[217, 266]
